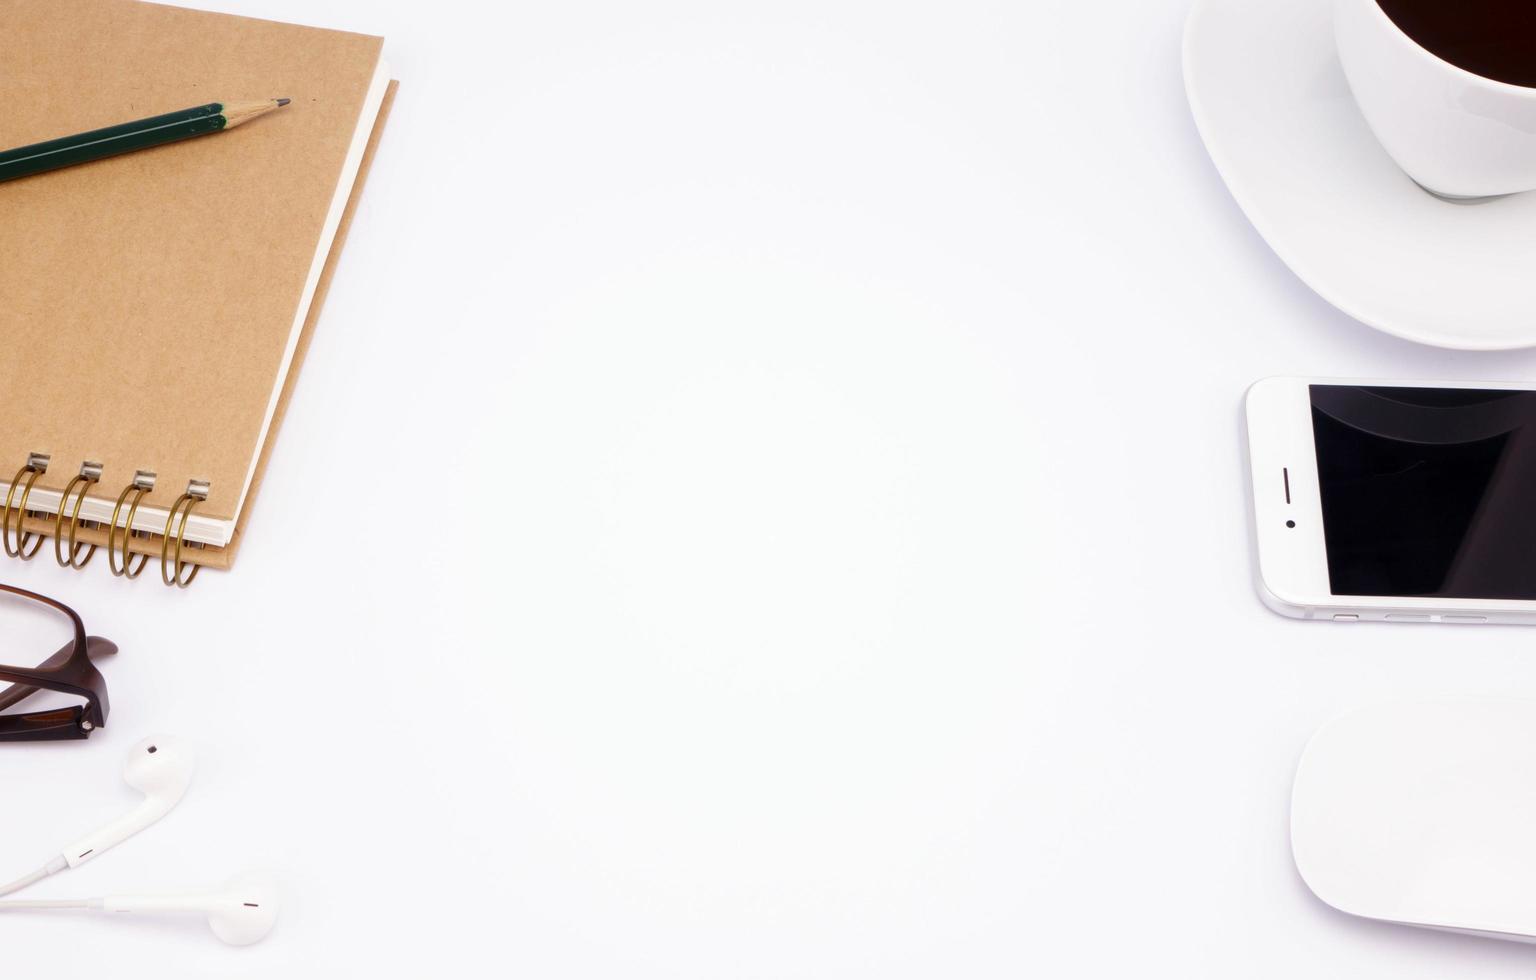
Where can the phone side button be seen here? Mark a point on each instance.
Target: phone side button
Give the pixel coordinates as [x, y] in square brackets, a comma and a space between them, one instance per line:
[1463, 619]
[1406, 618]
[1346, 617]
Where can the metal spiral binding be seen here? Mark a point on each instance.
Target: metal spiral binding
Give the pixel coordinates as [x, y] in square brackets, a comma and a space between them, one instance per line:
[90, 474]
[35, 466]
[143, 483]
[172, 569]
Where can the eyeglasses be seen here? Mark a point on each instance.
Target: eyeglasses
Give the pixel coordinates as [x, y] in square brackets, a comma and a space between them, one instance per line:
[31, 626]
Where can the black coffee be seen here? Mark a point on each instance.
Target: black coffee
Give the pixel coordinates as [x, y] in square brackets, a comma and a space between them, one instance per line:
[1492, 38]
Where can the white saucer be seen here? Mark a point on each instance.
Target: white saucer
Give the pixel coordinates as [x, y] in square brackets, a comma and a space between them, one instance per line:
[1278, 119]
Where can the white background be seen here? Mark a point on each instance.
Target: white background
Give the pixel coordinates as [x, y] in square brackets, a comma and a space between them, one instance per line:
[765, 499]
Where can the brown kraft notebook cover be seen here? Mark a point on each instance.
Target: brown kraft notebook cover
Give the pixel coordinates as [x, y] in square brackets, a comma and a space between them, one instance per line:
[148, 301]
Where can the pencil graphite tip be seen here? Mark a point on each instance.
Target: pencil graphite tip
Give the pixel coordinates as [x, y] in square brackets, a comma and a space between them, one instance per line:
[240, 113]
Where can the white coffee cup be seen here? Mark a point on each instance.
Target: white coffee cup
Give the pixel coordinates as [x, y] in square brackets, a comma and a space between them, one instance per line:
[1456, 133]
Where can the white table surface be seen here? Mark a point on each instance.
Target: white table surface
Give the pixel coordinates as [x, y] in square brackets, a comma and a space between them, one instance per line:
[839, 564]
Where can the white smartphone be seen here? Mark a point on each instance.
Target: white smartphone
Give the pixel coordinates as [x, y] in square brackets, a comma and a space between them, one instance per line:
[1397, 501]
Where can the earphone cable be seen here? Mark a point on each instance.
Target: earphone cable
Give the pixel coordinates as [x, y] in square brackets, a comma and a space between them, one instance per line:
[21, 883]
[52, 867]
[50, 903]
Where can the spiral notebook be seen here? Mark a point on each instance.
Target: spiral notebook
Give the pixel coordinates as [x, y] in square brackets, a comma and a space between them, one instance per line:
[155, 307]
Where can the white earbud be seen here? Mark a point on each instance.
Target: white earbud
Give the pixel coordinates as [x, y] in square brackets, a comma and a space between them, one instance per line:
[161, 768]
[241, 912]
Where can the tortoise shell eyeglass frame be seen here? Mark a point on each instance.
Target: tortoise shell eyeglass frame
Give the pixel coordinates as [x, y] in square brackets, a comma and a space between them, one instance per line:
[68, 671]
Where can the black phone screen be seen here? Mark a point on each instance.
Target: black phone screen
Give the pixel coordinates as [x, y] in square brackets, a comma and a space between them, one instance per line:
[1427, 492]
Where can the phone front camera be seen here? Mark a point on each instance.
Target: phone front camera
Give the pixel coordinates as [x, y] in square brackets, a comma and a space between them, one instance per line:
[1290, 523]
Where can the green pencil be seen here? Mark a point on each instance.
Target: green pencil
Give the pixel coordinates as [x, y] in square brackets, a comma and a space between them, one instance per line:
[69, 150]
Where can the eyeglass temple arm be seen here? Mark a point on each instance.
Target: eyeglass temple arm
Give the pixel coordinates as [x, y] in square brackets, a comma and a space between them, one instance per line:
[95, 648]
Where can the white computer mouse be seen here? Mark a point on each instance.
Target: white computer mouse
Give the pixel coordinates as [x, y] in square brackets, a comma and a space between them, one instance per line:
[1424, 813]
